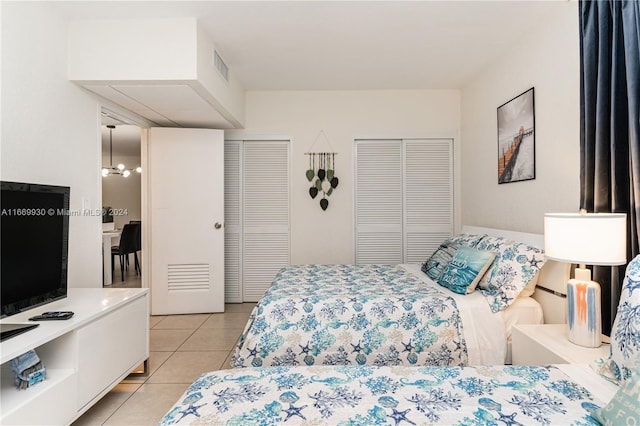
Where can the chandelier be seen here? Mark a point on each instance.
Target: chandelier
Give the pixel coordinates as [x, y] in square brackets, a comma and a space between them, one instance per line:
[120, 169]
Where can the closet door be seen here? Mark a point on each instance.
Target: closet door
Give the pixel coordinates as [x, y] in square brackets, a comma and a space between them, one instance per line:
[428, 196]
[233, 221]
[256, 216]
[378, 197]
[403, 199]
[265, 214]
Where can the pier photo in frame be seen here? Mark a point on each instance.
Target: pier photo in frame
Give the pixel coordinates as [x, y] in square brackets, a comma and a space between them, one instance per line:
[516, 139]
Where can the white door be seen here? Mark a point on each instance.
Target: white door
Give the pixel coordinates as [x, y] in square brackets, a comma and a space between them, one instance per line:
[186, 198]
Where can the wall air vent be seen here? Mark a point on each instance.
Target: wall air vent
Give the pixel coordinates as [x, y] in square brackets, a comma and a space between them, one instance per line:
[220, 65]
[188, 277]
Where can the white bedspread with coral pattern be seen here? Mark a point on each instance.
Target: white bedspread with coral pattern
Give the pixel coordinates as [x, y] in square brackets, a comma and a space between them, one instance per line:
[367, 315]
[369, 395]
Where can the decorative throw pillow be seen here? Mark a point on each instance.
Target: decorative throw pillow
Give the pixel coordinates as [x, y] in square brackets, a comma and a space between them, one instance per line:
[625, 333]
[469, 240]
[439, 260]
[530, 288]
[465, 269]
[623, 409]
[515, 266]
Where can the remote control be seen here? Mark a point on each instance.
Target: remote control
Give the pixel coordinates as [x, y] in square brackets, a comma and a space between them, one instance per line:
[54, 315]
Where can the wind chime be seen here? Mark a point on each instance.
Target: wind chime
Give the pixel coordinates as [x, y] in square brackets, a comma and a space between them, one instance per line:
[322, 175]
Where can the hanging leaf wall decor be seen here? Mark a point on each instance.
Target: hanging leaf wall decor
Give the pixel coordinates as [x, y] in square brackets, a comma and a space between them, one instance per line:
[322, 176]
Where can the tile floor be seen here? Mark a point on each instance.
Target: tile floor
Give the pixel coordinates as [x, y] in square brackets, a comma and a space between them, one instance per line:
[181, 347]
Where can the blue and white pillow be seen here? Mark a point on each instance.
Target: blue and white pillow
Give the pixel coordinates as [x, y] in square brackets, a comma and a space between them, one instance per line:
[438, 261]
[625, 334]
[515, 266]
[469, 240]
[623, 407]
[465, 269]
[436, 264]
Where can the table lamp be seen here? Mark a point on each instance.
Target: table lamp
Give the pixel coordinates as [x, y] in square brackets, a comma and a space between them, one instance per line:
[585, 239]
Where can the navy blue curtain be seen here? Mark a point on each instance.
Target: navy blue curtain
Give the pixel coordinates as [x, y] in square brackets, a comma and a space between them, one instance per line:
[610, 126]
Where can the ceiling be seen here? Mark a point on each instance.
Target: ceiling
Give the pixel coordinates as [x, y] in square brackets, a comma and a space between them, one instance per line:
[338, 45]
[345, 45]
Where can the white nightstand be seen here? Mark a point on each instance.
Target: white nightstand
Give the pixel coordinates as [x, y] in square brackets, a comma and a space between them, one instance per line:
[548, 344]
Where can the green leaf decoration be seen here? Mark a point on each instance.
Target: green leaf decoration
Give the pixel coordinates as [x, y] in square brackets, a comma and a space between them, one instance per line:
[324, 203]
[329, 191]
[330, 174]
[334, 182]
[313, 191]
[321, 174]
[319, 184]
[310, 175]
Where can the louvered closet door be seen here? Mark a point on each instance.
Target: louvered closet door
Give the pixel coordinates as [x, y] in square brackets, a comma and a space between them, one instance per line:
[265, 227]
[233, 222]
[378, 200]
[404, 199]
[428, 196]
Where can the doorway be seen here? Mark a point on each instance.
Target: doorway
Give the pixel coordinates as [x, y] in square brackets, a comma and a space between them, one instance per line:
[121, 201]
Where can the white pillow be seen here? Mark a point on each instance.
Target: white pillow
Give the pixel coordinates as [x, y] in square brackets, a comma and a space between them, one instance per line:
[515, 266]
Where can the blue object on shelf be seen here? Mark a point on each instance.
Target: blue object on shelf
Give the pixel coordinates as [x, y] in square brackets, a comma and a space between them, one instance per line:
[28, 369]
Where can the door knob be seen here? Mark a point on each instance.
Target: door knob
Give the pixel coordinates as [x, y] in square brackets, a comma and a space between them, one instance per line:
[218, 225]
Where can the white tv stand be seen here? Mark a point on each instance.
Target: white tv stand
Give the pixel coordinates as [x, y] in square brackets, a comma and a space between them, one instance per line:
[84, 357]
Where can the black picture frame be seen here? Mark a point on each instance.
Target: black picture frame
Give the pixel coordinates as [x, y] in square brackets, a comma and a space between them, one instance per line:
[516, 139]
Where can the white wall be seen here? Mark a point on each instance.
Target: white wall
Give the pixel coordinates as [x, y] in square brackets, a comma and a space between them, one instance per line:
[547, 59]
[327, 236]
[50, 127]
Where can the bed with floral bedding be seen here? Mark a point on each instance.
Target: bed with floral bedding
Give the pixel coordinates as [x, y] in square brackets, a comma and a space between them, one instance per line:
[369, 395]
[393, 314]
[346, 314]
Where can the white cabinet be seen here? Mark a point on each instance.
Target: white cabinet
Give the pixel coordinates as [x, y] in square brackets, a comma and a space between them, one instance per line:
[544, 344]
[84, 357]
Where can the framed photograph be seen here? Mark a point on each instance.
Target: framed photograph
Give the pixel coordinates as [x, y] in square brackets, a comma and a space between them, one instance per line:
[516, 139]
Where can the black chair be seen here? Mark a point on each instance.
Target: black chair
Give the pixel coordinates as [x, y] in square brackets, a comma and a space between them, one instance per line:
[128, 244]
[138, 244]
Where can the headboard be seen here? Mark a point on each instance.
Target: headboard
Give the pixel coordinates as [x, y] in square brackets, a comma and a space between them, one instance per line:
[551, 288]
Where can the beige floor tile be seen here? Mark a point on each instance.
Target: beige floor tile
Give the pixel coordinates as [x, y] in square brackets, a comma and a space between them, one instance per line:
[154, 319]
[167, 340]
[108, 405]
[147, 405]
[156, 359]
[185, 367]
[227, 320]
[181, 322]
[212, 339]
[239, 307]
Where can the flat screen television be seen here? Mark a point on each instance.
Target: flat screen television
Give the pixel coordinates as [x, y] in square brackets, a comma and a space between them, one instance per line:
[34, 234]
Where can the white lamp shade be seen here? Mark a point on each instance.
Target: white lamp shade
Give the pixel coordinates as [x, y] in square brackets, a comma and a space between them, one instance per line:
[588, 239]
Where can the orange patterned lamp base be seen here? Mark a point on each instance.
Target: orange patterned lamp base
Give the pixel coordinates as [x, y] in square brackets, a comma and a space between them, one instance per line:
[583, 313]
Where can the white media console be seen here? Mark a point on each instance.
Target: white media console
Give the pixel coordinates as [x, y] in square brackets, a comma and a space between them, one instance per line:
[84, 357]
